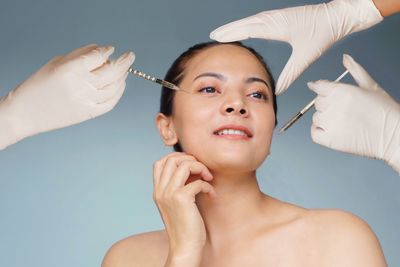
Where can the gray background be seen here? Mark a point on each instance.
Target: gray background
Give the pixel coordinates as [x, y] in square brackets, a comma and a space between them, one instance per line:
[66, 196]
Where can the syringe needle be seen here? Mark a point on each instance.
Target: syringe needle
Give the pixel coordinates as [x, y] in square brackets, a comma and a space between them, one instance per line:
[305, 109]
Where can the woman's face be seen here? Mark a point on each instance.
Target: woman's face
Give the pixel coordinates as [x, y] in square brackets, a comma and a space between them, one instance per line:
[228, 120]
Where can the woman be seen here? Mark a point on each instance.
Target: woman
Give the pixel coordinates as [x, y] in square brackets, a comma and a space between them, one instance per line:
[208, 196]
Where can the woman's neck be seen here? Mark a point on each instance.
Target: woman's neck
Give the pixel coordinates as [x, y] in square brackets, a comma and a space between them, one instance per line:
[236, 208]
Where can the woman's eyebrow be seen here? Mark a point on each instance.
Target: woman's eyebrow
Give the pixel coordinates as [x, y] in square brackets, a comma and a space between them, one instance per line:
[211, 74]
[223, 78]
[256, 79]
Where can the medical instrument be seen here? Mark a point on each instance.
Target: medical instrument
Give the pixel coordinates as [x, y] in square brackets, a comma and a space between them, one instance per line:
[153, 79]
[305, 109]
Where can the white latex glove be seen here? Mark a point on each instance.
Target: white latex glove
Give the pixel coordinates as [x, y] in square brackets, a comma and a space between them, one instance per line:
[67, 90]
[310, 30]
[362, 120]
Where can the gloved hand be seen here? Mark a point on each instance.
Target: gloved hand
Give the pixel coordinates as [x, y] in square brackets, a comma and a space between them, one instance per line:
[310, 30]
[67, 90]
[362, 120]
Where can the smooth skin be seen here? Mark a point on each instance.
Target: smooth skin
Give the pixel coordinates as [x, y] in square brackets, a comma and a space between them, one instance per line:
[311, 30]
[208, 197]
[387, 7]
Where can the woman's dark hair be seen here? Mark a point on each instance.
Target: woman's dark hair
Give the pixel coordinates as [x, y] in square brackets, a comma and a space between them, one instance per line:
[175, 76]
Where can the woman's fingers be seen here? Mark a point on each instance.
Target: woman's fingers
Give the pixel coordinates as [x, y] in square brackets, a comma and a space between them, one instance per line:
[158, 166]
[170, 166]
[112, 71]
[199, 186]
[173, 171]
[185, 169]
[110, 91]
[176, 200]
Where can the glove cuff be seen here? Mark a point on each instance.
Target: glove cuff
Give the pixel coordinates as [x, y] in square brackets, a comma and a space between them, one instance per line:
[394, 161]
[392, 131]
[11, 126]
[361, 14]
[367, 14]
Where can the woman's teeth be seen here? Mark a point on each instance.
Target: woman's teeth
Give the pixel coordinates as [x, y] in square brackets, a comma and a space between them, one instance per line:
[231, 131]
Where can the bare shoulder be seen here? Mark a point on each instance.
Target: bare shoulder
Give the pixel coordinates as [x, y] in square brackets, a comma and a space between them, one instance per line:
[145, 249]
[339, 223]
[340, 232]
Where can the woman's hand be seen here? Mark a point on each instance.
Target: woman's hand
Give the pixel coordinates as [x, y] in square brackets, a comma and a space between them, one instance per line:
[175, 199]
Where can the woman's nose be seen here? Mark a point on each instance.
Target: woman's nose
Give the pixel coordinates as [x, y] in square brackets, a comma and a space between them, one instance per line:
[242, 111]
[235, 105]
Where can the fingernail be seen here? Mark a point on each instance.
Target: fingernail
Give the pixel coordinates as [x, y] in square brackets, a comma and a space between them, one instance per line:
[214, 193]
[279, 89]
[126, 56]
[207, 177]
[122, 58]
[131, 56]
[109, 49]
[212, 35]
[347, 60]
[347, 57]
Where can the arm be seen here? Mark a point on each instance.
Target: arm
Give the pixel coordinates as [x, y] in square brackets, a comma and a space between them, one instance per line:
[145, 249]
[349, 241]
[181, 244]
[387, 7]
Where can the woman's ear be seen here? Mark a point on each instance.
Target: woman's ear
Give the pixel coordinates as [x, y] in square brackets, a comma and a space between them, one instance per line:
[166, 129]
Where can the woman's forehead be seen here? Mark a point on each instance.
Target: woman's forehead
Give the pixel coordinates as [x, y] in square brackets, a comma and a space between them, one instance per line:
[225, 57]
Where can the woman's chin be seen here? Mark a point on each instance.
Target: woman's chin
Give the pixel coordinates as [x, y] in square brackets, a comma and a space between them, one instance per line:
[232, 159]
[231, 164]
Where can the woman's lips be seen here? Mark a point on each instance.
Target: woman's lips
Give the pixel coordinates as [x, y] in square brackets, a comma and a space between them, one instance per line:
[233, 132]
[233, 136]
[234, 127]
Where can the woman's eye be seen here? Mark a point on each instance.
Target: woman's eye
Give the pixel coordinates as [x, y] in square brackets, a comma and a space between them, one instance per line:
[259, 95]
[208, 90]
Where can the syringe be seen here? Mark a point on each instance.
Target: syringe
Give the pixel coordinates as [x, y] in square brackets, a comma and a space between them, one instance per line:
[305, 109]
[153, 79]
